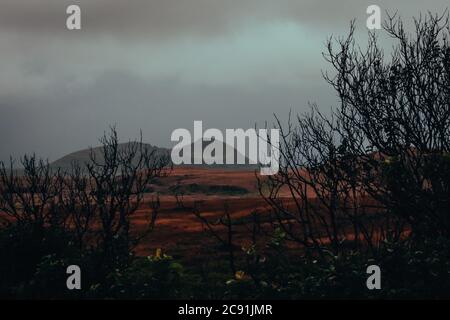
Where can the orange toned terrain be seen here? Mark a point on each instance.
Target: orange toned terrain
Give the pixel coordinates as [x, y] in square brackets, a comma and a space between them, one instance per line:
[208, 191]
[180, 233]
[177, 228]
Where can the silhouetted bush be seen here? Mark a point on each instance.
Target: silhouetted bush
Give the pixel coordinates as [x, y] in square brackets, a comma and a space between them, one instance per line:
[54, 218]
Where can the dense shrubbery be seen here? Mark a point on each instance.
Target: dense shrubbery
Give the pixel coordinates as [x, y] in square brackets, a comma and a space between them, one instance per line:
[409, 270]
[22, 251]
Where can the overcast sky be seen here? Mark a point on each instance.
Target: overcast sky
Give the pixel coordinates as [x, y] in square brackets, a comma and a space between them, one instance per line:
[158, 65]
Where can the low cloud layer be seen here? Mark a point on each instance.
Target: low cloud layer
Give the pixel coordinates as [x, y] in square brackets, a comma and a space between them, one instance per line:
[164, 18]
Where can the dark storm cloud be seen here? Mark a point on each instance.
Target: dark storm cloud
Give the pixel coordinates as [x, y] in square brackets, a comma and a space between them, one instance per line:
[166, 18]
[159, 17]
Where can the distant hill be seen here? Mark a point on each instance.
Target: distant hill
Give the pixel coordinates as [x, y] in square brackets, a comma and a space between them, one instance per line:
[227, 149]
[83, 156]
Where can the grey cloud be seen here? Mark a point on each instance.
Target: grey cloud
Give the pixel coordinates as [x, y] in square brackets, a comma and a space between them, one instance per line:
[168, 18]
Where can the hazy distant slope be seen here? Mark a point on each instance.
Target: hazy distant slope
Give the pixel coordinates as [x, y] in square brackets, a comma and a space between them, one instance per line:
[83, 156]
[226, 150]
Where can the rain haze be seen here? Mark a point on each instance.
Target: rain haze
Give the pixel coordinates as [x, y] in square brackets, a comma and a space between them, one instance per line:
[159, 65]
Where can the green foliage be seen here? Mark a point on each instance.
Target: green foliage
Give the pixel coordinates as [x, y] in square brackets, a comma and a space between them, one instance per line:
[410, 269]
[154, 277]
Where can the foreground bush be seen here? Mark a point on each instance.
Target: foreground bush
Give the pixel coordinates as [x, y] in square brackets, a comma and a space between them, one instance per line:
[53, 217]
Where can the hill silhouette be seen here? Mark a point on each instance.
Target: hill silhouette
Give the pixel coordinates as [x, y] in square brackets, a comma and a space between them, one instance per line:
[83, 156]
[227, 149]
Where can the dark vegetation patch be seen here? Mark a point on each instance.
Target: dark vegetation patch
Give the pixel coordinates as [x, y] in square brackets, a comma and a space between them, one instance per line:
[194, 188]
